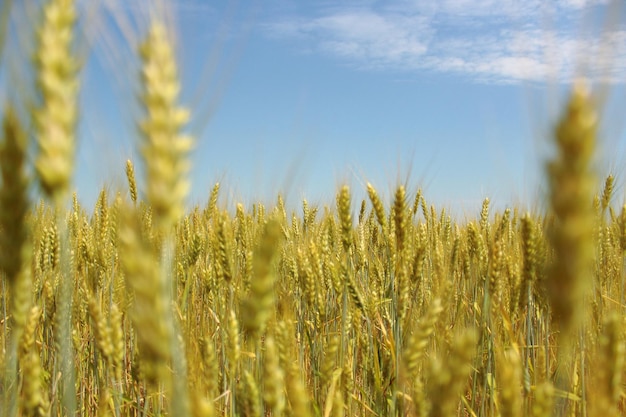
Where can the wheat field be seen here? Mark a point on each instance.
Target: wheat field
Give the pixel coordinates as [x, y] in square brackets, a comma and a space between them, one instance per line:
[140, 307]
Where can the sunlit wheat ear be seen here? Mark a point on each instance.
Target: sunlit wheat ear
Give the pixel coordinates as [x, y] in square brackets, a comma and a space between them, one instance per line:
[233, 343]
[280, 208]
[298, 397]
[503, 225]
[399, 218]
[484, 218]
[222, 252]
[14, 251]
[132, 184]
[34, 402]
[496, 264]
[607, 193]
[572, 184]
[54, 120]
[419, 340]
[510, 380]
[345, 216]
[104, 407]
[543, 401]
[273, 379]
[353, 291]
[118, 340]
[13, 196]
[212, 205]
[56, 117]
[306, 278]
[329, 362]
[362, 212]
[150, 316]
[249, 398]
[379, 210]
[305, 215]
[416, 202]
[101, 329]
[608, 374]
[258, 307]
[202, 407]
[34, 398]
[448, 378]
[529, 259]
[164, 148]
[210, 367]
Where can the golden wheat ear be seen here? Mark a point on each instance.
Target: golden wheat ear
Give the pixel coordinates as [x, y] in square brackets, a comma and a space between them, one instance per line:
[572, 189]
[56, 118]
[13, 195]
[14, 200]
[609, 368]
[164, 148]
[34, 398]
[132, 184]
[259, 305]
[448, 378]
[14, 247]
[150, 312]
[345, 216]
[572, 184]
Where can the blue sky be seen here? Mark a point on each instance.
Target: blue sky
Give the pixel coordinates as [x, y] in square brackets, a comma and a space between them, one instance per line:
[455, 96]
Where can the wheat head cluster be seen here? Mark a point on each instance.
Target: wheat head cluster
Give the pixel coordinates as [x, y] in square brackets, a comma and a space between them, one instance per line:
[141, 307]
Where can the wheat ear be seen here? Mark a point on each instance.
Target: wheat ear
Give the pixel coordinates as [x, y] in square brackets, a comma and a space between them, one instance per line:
[55, 122]
[258, 307]
[14, 250]
[164, 149]
[132, 184]
[345, 216]
[165, 155]
[572, 183]
[150, 312]
[55, 119]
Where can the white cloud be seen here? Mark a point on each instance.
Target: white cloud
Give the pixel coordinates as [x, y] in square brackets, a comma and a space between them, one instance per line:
[362, 36]
[580, 4]
[499, 41]
[510, 8]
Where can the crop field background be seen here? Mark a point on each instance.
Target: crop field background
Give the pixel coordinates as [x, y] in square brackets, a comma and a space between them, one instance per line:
[140, 306]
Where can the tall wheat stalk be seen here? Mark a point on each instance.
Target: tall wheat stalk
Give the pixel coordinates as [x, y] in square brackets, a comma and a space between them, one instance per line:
[164, 150]
[14, 248]
[55, 122]
[572, 184]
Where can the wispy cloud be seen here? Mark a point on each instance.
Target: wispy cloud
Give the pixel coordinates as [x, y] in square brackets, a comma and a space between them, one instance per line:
[493, 41]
